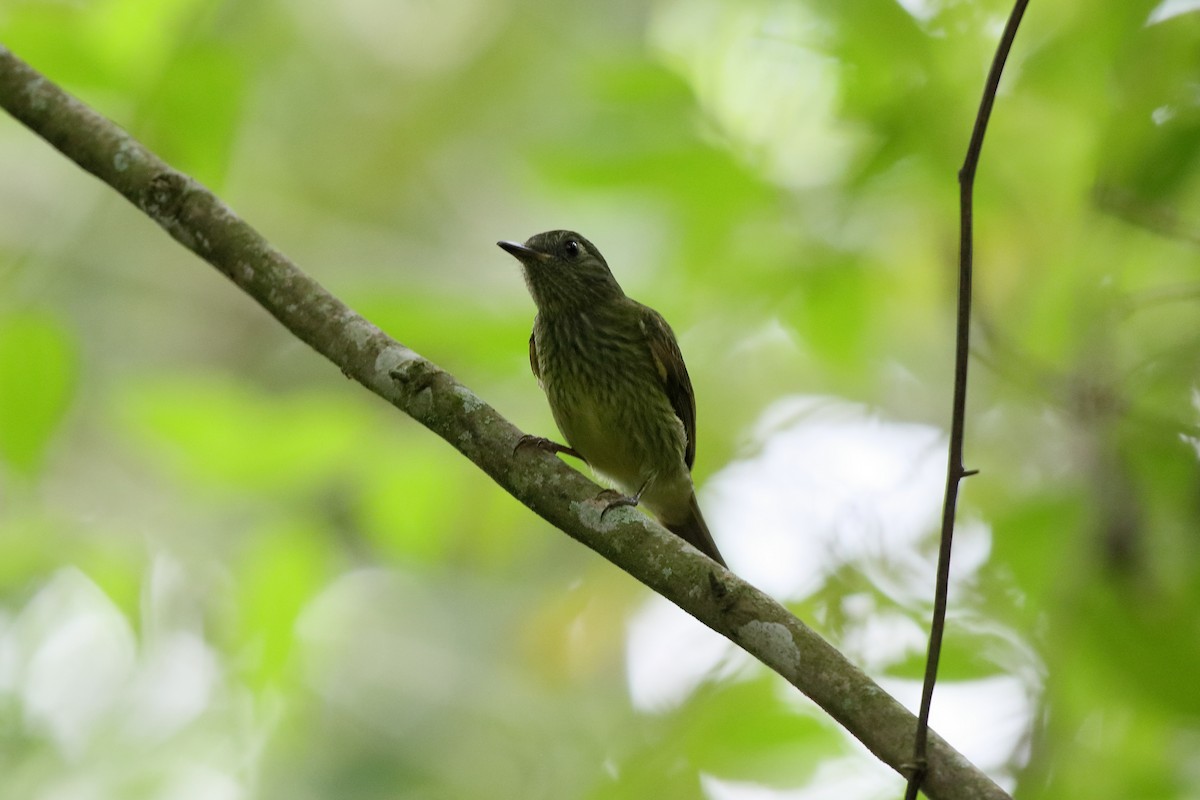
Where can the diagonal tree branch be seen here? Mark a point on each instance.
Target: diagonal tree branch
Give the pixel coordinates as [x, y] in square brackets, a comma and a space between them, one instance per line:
[562, 496]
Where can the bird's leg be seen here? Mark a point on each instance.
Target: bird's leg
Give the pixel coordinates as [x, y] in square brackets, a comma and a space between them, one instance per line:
[623, 500]
[546, 445]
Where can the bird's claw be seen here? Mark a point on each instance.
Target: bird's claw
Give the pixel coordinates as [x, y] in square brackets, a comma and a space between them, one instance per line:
[545, 445]
[528, 440]
[618, 501]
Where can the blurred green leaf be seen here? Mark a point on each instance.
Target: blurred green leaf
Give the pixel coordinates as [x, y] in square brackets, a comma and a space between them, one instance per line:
[117, 44]
[38, 365]
[221, 432]
[410, 506]
[1033, 540]
[280, 571]
[748, 731]
[738, 731]
[835, 314]
[193, 120]
[450, 332]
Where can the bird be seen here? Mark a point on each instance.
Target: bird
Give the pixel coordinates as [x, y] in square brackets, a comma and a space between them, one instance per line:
[615, 380]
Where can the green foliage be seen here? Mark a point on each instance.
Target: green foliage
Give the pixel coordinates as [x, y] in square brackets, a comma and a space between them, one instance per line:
[226, 435]
[244, 547]
[280, 572]
[38, 366]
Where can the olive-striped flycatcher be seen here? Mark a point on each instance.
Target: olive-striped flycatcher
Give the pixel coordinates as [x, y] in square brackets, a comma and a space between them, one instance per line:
[616, 382]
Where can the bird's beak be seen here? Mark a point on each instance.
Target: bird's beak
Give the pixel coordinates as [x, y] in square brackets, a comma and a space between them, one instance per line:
[521, 252]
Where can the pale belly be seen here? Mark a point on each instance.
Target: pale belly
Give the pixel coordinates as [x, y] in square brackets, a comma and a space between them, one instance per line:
[630, 446]
[616, 413]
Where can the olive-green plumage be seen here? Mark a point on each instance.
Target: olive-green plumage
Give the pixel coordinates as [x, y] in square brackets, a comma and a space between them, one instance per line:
[615, 379]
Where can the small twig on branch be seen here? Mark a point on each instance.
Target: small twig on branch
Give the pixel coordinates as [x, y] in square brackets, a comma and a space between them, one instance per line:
[561, 495]
[922, 769]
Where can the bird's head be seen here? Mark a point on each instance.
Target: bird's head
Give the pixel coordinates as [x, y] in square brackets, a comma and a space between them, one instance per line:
[564, 271]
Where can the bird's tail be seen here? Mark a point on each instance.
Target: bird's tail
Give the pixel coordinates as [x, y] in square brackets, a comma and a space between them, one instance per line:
[694, 531]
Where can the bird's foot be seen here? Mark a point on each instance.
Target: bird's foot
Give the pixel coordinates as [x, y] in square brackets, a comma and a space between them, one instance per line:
[545, 445]
[615, 500]
[618, 500]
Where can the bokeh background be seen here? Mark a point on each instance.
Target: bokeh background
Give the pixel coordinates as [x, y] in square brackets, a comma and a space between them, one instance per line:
[228, 573]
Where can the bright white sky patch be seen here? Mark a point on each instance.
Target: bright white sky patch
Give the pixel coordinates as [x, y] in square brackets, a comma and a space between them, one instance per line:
[922, 10]
[837, 779]
[831, 484]
[1171, 8]
[985, 719]
[761, 76]
[80, 681]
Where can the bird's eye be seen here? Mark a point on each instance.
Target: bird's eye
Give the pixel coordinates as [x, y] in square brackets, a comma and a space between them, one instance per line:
[571, 248]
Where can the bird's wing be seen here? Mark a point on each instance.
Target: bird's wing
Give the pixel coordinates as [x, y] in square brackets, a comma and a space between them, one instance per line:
[673, 374]
[533, 359]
